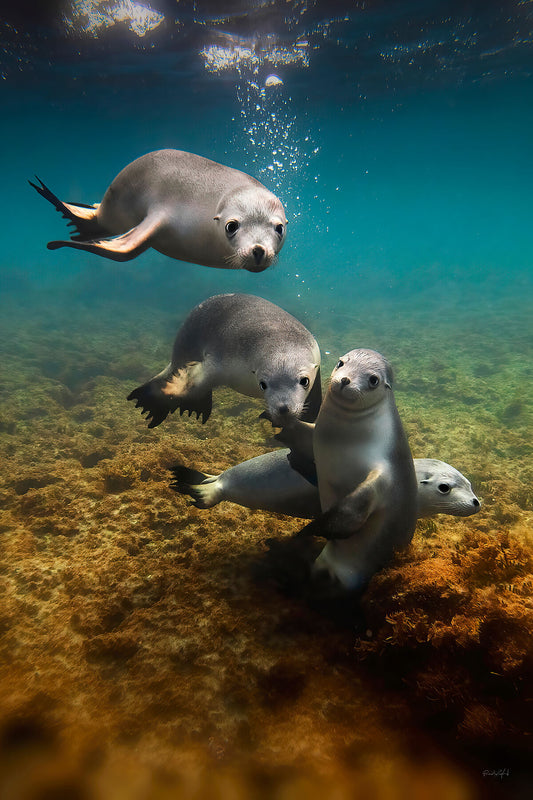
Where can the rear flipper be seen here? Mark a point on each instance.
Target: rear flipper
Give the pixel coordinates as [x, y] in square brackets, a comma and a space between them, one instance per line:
[200, 486]
[92, 237]
[79, 216]
[165, 393]
[118, 248]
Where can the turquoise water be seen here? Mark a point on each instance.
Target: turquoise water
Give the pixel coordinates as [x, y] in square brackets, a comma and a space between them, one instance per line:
[399, 141]
[406, 173]
[395, 188]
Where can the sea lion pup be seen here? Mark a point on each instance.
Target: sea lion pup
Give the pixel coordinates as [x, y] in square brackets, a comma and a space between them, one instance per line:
[277, 482]
[366, 476]
[183, 205]
[246, 343]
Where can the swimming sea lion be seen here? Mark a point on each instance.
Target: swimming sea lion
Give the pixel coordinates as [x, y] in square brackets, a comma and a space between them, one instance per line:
[246, 343]
[183, 205]
[366, 476]
[273, 482]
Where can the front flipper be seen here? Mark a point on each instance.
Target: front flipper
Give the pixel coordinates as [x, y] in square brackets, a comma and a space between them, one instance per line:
[348, 515]
[168, 391]
[303, 465]
[118, 248]
[298, 435]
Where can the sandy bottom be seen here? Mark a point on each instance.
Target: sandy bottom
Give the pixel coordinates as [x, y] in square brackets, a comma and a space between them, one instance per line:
[153, 650]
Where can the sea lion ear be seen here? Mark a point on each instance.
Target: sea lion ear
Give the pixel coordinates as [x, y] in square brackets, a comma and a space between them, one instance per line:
[217, 217]
[387, 385]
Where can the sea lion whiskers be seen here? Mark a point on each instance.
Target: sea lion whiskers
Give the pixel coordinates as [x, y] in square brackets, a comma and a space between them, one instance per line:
[239, 258]
[235, 260]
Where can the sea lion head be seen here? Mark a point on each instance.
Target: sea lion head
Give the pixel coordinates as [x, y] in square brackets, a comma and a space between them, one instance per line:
[360, 380]
[285, 388]
[442, 489]
[254, 225]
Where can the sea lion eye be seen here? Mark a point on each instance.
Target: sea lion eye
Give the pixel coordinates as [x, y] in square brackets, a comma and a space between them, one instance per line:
[304, 382]
[262, 386]
[444, 488]
[279, 230]
[232, 227]
[340, 363]
[373, 381]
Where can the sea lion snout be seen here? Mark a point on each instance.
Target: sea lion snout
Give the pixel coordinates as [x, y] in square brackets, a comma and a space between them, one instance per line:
[285, 403]
[258, 253]
[258, 259]
[282, 414]
[254, 254]
[343, 387]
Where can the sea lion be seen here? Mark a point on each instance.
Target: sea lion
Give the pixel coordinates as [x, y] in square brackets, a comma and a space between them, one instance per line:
[366, 476]
[275, 482]
[183, 205]
[246, 343]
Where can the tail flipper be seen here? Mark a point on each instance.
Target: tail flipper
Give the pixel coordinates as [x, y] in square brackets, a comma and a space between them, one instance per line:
[164, 394]
[79, 216]
[200, 486]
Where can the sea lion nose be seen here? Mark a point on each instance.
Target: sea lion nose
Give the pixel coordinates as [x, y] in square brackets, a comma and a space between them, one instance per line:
[258, 253]
[475, 502]
[283, 409]
[345, 381]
